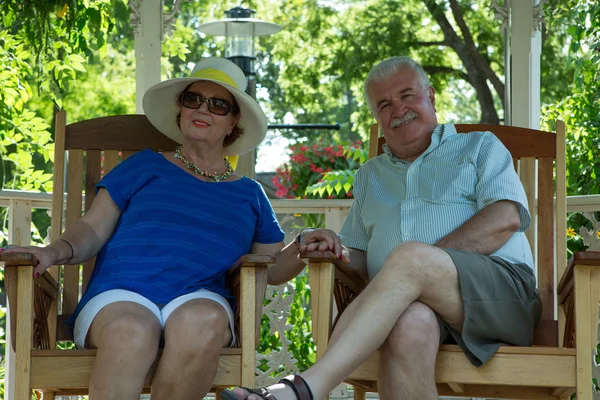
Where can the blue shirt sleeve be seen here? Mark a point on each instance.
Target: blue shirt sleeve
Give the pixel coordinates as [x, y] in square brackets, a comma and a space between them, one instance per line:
[127, 178]
[354, 233]
[497, 179]
[267, 230]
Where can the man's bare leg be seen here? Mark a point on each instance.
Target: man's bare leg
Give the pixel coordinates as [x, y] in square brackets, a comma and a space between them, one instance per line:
[413, 271]
[407, 357]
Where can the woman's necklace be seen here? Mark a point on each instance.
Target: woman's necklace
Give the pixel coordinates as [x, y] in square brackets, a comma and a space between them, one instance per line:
[215, 177]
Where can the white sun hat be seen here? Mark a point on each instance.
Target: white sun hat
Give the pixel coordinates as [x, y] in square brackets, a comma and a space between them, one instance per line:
[161, 109]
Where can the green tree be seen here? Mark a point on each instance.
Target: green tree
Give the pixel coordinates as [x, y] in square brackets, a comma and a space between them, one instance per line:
[579, 21]
[44, 44]
[318, 63]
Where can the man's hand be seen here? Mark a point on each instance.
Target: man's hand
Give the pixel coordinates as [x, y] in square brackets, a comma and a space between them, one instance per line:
[322, 240]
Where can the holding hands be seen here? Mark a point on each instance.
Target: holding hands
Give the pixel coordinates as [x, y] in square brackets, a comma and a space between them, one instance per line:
[323, 240]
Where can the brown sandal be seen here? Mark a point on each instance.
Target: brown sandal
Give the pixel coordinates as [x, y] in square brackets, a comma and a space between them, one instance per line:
[295, 382]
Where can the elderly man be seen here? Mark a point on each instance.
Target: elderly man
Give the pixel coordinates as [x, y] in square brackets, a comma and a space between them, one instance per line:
[437, 228]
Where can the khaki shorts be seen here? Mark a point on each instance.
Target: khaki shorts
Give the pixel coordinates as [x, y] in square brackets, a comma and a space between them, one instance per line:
[501, 305]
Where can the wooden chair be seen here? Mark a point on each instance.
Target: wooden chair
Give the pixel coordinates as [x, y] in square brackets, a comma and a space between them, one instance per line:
[553, 368]
[38, 308]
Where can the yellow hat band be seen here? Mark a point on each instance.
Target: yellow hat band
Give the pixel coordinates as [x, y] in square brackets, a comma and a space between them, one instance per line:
[214, 74]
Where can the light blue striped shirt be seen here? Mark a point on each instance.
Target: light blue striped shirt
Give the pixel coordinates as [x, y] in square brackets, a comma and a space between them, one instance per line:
[458, 175]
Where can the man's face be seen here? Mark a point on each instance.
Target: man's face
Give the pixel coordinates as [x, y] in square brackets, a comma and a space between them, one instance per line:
[405, 110]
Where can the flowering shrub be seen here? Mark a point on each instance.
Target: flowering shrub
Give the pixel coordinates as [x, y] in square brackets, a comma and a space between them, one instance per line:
[319, 170]
[576, 221]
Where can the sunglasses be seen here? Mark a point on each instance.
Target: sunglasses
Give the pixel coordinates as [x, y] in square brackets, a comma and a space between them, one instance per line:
[215, 105]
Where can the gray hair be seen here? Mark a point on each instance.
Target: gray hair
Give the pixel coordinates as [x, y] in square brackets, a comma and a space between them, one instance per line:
[386, 68]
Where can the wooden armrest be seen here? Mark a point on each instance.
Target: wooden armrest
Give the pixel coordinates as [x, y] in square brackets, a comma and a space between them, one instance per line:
[44, 287]
[45, 281]
[565, 286]
[343, 273]
[16, 259]
[251, 260]
[260, 262]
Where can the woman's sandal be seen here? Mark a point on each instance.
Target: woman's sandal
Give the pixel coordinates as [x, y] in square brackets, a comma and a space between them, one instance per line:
[295, 382]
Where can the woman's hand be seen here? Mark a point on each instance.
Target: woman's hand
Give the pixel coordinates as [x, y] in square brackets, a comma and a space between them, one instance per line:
[43, 257]
[322, 240]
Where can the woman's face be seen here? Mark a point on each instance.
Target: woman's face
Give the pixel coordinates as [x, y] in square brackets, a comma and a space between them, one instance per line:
[204, 123]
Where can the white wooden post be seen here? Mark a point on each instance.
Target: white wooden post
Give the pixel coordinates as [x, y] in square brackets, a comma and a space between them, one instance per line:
[147, 17]
[526, 46]
[335, 217]
[19, 231]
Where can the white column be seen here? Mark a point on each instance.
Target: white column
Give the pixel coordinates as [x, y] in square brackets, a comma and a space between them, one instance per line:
[148, 21]
[526, 45]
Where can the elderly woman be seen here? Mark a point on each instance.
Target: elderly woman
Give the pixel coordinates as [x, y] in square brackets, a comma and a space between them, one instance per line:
[166, 228]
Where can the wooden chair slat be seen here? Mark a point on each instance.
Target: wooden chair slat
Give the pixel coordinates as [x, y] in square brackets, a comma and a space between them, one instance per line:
[74, 208]
[127, 154]
[527, 170]
[93, 166]
[111, 159]
[56, 211]
[121, 132]
[373, 135]
[561, 198]
[545, 225]
[10, 284]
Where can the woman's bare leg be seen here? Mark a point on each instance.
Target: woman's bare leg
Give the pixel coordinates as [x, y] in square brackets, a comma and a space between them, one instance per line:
[127, 336]
[195, 333]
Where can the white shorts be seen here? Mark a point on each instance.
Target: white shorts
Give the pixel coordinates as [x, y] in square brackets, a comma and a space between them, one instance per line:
[92, 308]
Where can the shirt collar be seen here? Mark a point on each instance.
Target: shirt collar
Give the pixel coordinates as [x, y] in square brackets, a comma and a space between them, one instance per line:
[440, 134]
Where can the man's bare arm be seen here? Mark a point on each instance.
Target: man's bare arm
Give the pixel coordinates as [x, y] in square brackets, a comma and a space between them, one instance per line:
[486, 231]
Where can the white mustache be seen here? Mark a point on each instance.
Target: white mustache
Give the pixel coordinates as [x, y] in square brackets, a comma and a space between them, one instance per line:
[407, 117]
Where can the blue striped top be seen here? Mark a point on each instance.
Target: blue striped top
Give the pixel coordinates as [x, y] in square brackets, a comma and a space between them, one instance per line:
[458, 175]
[177, 234]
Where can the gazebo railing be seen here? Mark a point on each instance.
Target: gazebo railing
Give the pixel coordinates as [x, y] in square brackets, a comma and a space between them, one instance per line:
[333, 212]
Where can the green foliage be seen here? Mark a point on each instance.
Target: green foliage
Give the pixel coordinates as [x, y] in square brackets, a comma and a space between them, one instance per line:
[24, 139]
[60, 36]
[2, 375]
[580, 109]
[319, 169]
